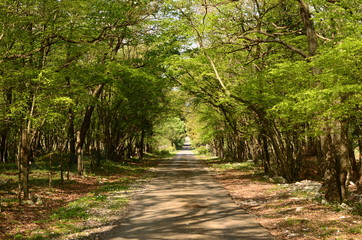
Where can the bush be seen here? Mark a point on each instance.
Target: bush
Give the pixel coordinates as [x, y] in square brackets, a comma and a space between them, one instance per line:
[203, 150]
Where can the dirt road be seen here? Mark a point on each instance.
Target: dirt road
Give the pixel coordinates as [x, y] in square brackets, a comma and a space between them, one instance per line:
[185, 202]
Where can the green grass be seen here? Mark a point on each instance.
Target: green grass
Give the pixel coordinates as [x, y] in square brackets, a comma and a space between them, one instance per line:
[64, 220]
[355, 230]
[70, 212]
[295, 222]
[119, 203]
[110, 187]
[300, 193]
[19, 236]
[326, 232]
[38, 236]
[8, 167]
[357, 209]
[235, 166]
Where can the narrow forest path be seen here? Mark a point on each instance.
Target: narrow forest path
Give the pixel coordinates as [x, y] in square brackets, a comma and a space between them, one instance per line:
[185, 202]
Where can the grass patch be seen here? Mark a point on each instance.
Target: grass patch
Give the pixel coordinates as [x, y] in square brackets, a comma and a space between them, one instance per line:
[291, 222]
[19, 236]
[355, 230]
[357, 209]
[300, 193]
[226, 165]
[38, 236]
[326, 232]
[69, 212]
[235, 166]
[110, 187]
[111, 167]
[8, 167]
[119, 203]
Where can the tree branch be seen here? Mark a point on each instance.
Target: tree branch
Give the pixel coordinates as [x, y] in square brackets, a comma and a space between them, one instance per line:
[276, 40]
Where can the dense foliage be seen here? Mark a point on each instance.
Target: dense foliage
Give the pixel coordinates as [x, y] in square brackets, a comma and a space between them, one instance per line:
[80, 79]
[276, 81]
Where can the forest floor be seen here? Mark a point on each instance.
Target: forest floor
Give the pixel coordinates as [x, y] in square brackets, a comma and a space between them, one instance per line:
[80, 205]
[286, 214]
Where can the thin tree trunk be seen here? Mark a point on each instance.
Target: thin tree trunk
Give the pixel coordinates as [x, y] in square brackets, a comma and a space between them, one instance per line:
[50, 170]
[266, 162]
[80, 164]
[344, 161]
[142, 144]
[3, 147]
[19, 165]
[359, 165]
[71, 137]
[81, 135]
[24, 163]
[360, 161]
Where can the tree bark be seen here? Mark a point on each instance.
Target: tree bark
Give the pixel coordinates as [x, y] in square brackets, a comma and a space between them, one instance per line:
[344, 161]
[72, 159]
[142, 144]
[330, 185]
[266, 162]
[81, 134]
[309, 28]
[360, 162]
[24, 163]
[3, 147]
[80, 164]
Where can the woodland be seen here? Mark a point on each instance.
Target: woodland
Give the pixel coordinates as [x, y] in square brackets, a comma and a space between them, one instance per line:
[277, 82]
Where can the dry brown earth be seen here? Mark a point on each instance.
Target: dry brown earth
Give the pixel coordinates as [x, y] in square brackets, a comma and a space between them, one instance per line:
[287, 214]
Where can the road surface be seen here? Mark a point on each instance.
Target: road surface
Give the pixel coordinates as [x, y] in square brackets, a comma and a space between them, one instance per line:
[185, 202]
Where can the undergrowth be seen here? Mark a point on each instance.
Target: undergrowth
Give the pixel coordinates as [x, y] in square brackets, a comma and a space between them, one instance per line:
[112, 194]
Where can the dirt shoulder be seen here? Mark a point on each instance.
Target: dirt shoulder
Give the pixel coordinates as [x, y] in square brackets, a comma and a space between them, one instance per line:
[287, 214]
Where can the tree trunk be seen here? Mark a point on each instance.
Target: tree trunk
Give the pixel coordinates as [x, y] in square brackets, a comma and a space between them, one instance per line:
[50, 170]
[24, 163]
[330, 185]
[344, 160]
[359, 137]
[4, 132]
[3, 147]
[309, 28]
[80, 164]
[81, 135]
[266, 155]
[71, 137]
[142, 144]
